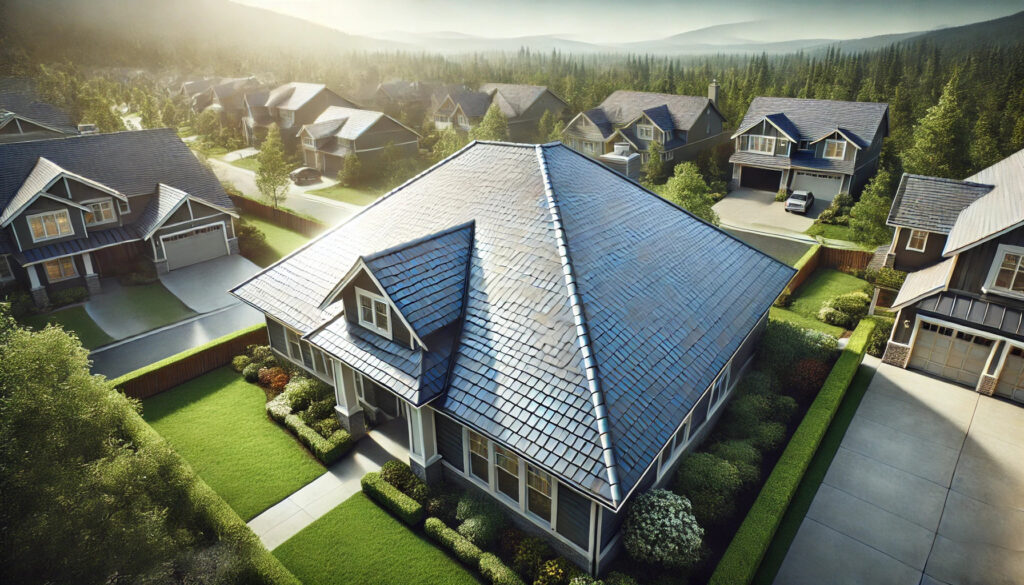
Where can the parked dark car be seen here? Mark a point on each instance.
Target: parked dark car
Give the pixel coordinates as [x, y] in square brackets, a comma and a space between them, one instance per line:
[305, 176]
[800, 202]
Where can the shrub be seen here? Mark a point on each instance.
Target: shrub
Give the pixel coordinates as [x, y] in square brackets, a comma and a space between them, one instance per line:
[616, 578]
[278, 408]
[880, 335]
[769, 436]
[743, 414]
[279, 381]
[239, 363]
[267, 375]
[327, 450]
[327, 427]
[496, 572]
[321, 410]
[530, 556]
[661, 529]
[21, 303]
[262, 355]
[585, 580]
[784, 344]
[482, 530]
[845, 310]
[251, 373]
[251, 240]
[302, 391]
[806, 378]
[508, 542]
[401, 476]
[464, 550]
[442, 506]
[472, 504]
[757, 382]
[557, 571]
[782, 408]
[405, 508]
[75, 294]
[711, 484]
[743, 455]
[886, 277]
[782, 195]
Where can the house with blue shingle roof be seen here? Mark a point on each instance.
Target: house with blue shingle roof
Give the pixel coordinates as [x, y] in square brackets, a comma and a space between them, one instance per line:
[554, 334]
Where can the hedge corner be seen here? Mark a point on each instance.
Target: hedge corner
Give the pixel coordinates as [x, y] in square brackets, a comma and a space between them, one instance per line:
[407, 509]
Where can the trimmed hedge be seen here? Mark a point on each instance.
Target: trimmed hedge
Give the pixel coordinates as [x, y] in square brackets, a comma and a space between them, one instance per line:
[740, 562]
[326, 450]
[467, 552]
[497, 572]
[180, 356]
[407, 509]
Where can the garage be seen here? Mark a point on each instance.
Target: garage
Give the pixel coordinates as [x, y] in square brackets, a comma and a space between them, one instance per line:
[824, 186]
[1011, 380]
[194, 246]
[763, 179]
[950, 354]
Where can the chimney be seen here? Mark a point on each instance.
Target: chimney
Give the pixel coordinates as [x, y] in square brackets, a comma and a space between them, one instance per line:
[713, 90]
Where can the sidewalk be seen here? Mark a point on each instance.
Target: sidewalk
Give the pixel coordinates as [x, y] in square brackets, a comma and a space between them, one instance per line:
[286, 518]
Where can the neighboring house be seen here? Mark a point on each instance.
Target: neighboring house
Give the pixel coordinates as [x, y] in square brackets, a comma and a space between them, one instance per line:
[823, 146]
[627, 122]
[553, 334]
[290, 107]
[227, 97]
[522, 106]
[340, 132]
[961, 306]
[78, 208]
[23, 116]
[411, 96]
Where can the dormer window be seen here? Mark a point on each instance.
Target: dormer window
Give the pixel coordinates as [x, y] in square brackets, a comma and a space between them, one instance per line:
[308, 141]
[462, 120]
[99, 212]
[1007, 273]
[835, 149]
[917, 241]
[645, 131]
[373, 312]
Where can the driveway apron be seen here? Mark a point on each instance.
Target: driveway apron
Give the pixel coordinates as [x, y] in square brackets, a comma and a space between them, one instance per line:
[204, 286]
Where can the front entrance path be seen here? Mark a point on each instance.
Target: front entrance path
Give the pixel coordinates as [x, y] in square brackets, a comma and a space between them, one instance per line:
[204, 286]
[286, 518]
[927, 488]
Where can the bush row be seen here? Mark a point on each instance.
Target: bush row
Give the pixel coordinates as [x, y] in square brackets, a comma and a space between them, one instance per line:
[740, 562]
[497, 572]
[327, 450]
[407, 509]
[464, 550]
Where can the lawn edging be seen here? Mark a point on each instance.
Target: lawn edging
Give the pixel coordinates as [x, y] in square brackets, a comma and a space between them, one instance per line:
[742, 558]
[179, 368]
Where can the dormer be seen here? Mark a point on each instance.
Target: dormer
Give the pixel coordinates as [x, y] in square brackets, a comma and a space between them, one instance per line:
[836, 145]
[772, 135]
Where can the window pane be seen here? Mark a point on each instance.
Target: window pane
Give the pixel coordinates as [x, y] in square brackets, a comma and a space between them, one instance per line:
[50, 225]
[508, 472]
[36, 223]
[478, 456]
[52, 271]
[381, 311]
[67, 266]
[365, 309]
[539, 504]
[538, 494]
[63, 223]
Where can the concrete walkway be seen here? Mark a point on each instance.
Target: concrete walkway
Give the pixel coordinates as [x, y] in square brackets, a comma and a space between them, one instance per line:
[204, 287]
[927, 488]
[240, 154]
[286, 518]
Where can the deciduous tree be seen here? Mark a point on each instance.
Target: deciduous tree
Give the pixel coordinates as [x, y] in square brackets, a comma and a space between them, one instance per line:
[494, 126]
[687, 189]
[272, 175]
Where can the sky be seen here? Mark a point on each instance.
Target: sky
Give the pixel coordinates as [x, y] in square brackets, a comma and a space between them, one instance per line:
[613, 21]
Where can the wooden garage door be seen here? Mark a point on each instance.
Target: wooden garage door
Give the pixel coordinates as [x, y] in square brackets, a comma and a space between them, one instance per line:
[1011, 380]
[950, 354]
[192, 247]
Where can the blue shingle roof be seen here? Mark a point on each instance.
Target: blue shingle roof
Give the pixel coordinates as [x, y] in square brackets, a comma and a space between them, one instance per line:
[662, 117]
[783, 123]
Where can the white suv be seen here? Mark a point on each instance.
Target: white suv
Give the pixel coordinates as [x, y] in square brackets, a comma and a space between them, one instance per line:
[800, 202]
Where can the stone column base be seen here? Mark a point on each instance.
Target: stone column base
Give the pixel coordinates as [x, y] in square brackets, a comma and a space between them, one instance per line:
[161, 266]
[354, 423]
[92, 283]
[896, 354]
[39, 297]
[987, 385]
[433, 473]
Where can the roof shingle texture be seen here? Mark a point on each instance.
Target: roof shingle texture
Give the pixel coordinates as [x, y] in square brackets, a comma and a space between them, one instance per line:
[995, 212]
[668, 299]
[813, 119]
[623, 106]
[18, 96]
[932, 204]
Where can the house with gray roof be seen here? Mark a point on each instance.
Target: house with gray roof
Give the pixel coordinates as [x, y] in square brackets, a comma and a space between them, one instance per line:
[24, 116]
[226, 96]
[620, 131]
[961, 307]
[289, 107]
[826, 147]
[522, 105]
[340, 132]
[75, 209]
[553, 334]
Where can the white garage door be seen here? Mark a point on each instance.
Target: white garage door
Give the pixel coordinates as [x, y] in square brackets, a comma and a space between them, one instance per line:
[951, 354]
[195, 246]
[1011, 380]
[824, 186]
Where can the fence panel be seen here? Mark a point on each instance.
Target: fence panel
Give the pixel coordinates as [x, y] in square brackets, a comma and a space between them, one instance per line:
[306, 227]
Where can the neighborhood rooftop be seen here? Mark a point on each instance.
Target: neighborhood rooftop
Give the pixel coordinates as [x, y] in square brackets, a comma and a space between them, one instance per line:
[815, 119]
[932, 203]
[17, 97]
[667, 111]
[996, 212]
[594, 313]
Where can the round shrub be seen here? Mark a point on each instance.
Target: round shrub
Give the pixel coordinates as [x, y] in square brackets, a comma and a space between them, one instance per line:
[834, 317]
[784, 344]
[251, 373]
[239, 362]
[327, 427]
[321, 409]
[557, 571]
[530, 556]
[442, 506]
[278, 382]
[743, 414]
[661, 529]
[585, 580]
[806, 378]
[302, 392]
[783, 408]
[261, 354]
[711, 484]
[267, 375]
[471, 504]
[769, 436]
[743, 455]
[401, 476]
[481, 530]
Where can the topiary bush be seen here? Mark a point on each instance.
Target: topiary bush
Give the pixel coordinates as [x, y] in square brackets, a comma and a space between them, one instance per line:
[251, 373]
[407, 509]
[530, 556]
[482, 529]
[239, 362]
[319, 410]
[661, 529]
[710, 483]
[845, 310]
[327, 427]
[783, 408]
[401, 476]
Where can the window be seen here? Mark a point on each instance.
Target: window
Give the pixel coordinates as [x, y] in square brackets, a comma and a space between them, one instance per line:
[835, 149]
[60, 269]
[917, 241]
[54, 224]
[804, 145]
[590, 147]
[667, 156]
[373, 312]
[5, 269]
[478, 459]
[287, 117]
[294, 345]
[682, 435]
[645, 131]
[506, 466]
[99, 212]
[1007, 272]
[754, 143]
[123, 207]
[538, 497]
[462, 120]
[308, 142]
[321, 363]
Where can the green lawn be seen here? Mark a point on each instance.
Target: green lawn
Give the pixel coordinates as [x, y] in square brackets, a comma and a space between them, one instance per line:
[347, 194]
[217, 422]
[780, 314]
[248, 163]
[74, 320]
[812, 478]
[151, 303]
[832, 232]
[280, 241]
[358, 542]
[808, 299]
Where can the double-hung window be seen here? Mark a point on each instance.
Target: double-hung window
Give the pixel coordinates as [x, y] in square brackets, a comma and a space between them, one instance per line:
[479, 460]
[373, 312]
[835, 149]
[538, 488]
[123, 207]
[1007, 272]
[60, 269]
[294, 345]
[645, 131]
[917, 241]
[506, 465]
[50, 225]
[99, 212]
[308, 142]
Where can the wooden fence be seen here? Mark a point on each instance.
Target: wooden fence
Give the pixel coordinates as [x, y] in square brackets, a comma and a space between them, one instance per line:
[181, 368]
[285, 219]
[822, 257]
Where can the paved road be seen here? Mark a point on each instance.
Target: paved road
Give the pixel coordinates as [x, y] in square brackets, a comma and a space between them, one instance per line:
[927, 488]
[326, 210]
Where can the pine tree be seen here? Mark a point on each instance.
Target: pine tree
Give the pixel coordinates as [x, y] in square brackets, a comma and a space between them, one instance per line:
[351, 172]
[559, 127]
[868, 216]
[272, 174]
[494, 126]
[654, 168]
[687, 189]
[984, 149]
[547, 122]
[936, 148]
[448, 142]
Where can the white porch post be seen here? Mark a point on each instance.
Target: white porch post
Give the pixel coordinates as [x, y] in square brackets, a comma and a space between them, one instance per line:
[92, 280]
[39, 296]
[33, 277]
[349, 411]
[87, 260]
[423, 453]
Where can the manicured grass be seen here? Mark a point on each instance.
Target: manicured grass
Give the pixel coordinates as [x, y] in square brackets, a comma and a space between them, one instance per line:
[824, 285]
[74, 320]
[152, 304]
[280, 241]
[217, 422]
[813, 477]
[347, 194]
[832, 232]
[358, 542]
[780, 314]
[249, 163]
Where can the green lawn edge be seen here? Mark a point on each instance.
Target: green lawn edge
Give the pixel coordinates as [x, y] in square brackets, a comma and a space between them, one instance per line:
[742, 558]
[74, 320]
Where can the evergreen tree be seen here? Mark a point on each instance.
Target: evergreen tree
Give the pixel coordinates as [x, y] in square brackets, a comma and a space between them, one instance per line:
[448, 143]
[544, 127]
[984, 149]
[272, 175]
[687, 189]
[654, 168]
[557, 129]
[351, 172]
[937, 146]
[169, 114]
[494, 126]
[868, 216]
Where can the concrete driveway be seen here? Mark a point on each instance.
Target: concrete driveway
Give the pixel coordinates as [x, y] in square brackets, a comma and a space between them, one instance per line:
[204, 287]
[927, 488]
[759, 211]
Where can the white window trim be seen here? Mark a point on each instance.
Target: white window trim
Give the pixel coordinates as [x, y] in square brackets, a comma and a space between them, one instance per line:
[910, 238]
[769, 140]
[372, 326]
[645, 131]
[91, 202]
[842, 154]
[462, 120]
[308, 141]
[6, 262]
[990, 282]
[59, 235]
[74, 269]
[123, 207]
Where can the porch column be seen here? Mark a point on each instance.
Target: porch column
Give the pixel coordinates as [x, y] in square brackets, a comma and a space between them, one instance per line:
[348, 409]
[39, 296]
[92, 280]
[423, 456]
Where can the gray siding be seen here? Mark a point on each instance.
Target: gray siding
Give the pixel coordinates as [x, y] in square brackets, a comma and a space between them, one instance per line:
[573, 517]
[24, 234]
[909, 260]
[972, 266]
[449, 440]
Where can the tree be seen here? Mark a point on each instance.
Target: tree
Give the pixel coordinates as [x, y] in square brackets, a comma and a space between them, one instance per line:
[544, 127]
[494, 126]
[272, 174]
[868, 216]
[937, 145]
[169, 114]
[661, 529]
[556, 132]
[654, 168]
[351, 172]
[984, 149]
[448, 143]
[687, 189]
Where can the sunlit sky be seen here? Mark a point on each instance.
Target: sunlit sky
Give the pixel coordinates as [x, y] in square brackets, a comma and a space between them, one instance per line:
[611, 21]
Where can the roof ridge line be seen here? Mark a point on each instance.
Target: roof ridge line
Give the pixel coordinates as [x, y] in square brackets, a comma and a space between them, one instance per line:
[582, 332]
[420, 240]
